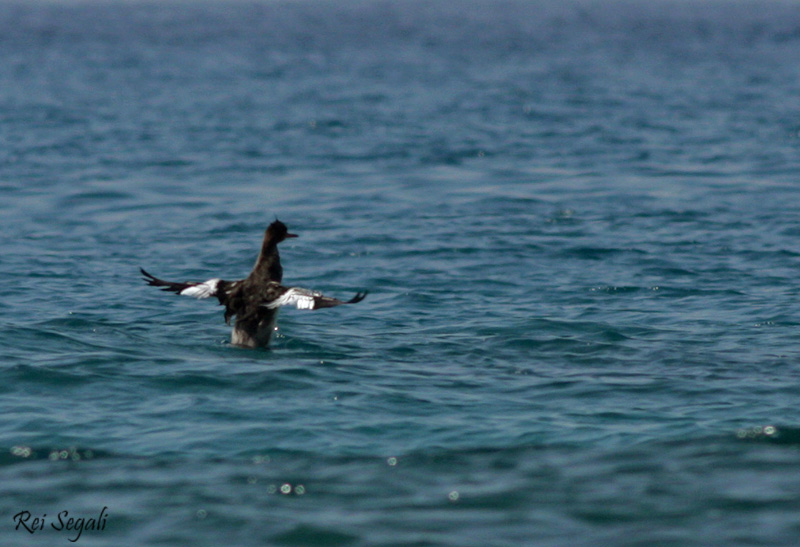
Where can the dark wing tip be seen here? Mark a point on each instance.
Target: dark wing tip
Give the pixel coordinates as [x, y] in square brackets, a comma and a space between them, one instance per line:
[147, 277]
[153, 281]
[358, 297]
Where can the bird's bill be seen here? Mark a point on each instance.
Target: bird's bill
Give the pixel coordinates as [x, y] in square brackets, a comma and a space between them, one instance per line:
[291, 235]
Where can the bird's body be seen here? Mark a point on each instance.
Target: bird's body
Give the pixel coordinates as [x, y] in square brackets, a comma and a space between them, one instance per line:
[255, 300]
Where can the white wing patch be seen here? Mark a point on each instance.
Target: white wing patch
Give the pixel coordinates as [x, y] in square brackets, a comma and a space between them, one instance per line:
[202, 290]
[302, 298]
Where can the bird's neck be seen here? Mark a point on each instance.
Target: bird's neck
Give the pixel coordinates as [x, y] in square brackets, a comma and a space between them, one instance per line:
[268, 263]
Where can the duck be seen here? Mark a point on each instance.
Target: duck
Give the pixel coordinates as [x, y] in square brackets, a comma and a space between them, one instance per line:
[255, 300]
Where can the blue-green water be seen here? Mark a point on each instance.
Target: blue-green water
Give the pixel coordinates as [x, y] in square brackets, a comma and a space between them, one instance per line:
[578, 223]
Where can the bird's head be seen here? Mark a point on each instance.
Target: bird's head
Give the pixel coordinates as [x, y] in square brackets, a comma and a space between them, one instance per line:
[277, 231]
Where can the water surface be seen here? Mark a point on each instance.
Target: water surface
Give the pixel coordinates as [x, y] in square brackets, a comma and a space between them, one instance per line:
[578, 223]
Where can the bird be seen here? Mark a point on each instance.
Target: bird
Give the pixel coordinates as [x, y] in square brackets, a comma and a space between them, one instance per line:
[255, 300]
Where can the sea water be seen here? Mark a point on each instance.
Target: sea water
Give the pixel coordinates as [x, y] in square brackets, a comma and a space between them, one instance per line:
[578, 223]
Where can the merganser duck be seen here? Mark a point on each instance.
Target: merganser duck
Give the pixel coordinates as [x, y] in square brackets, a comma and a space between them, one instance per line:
[256, 299]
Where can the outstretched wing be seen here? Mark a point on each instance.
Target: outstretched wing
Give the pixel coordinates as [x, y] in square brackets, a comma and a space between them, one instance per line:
[204, 289]
[305, 299]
